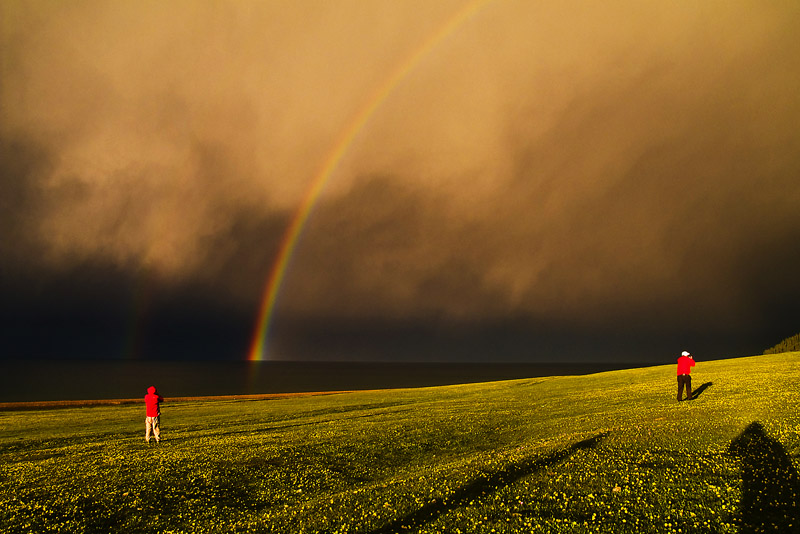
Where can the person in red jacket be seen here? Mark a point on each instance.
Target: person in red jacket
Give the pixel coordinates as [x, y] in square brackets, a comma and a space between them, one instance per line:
[685, 364]
[152, 404]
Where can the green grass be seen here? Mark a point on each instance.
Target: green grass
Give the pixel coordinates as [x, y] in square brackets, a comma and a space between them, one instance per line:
[610, 452]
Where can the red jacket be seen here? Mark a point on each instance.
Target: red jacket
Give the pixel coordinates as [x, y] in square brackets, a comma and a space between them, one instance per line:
[151, 401]
[685, 365]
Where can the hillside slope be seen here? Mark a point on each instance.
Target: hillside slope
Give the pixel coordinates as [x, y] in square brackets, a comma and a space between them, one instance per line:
[790, 344]
[610, 452]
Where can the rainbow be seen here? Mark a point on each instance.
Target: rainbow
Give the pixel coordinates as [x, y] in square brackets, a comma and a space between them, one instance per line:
[295, 229]
[140, 307]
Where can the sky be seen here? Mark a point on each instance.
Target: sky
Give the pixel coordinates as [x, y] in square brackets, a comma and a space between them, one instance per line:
[496, 180]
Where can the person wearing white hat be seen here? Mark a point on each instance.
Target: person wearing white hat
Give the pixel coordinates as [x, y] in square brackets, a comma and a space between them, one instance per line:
[685, 364]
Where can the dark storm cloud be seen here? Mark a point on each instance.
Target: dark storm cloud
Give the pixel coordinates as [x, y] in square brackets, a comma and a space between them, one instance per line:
[614, 172]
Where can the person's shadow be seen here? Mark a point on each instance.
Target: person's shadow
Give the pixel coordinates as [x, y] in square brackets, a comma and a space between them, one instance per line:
[482, 485]
[696, 393]
[770, 484]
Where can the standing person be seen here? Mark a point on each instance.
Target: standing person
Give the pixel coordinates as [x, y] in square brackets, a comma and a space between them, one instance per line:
[685, 364]
[152, 403]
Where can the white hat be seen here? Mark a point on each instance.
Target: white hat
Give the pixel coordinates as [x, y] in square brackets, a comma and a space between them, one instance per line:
[685, 353]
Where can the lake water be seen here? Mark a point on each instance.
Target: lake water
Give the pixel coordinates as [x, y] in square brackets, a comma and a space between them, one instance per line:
[91, 380]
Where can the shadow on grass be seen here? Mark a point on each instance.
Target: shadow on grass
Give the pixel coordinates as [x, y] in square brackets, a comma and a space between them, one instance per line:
[483, 486]
[770, 484]
[276, 428]
[696, 393]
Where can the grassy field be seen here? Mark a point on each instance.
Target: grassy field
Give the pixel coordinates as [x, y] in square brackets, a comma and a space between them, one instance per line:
[609, 452]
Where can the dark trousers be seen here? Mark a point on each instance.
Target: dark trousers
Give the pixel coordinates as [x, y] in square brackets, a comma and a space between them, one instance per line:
[685, 380]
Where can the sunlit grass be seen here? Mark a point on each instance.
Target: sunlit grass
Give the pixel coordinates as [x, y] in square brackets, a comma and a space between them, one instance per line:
[611, 452]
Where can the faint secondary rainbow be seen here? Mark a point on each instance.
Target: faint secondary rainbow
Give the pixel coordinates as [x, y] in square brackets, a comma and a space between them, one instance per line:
[340, 148]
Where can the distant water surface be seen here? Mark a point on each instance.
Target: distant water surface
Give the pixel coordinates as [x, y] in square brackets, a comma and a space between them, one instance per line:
[92, 380]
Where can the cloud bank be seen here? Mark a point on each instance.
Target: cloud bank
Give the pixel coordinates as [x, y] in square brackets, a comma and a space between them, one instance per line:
[573, 167]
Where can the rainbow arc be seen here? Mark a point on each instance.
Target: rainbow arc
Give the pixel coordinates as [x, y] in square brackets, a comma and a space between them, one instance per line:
[349, 134]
